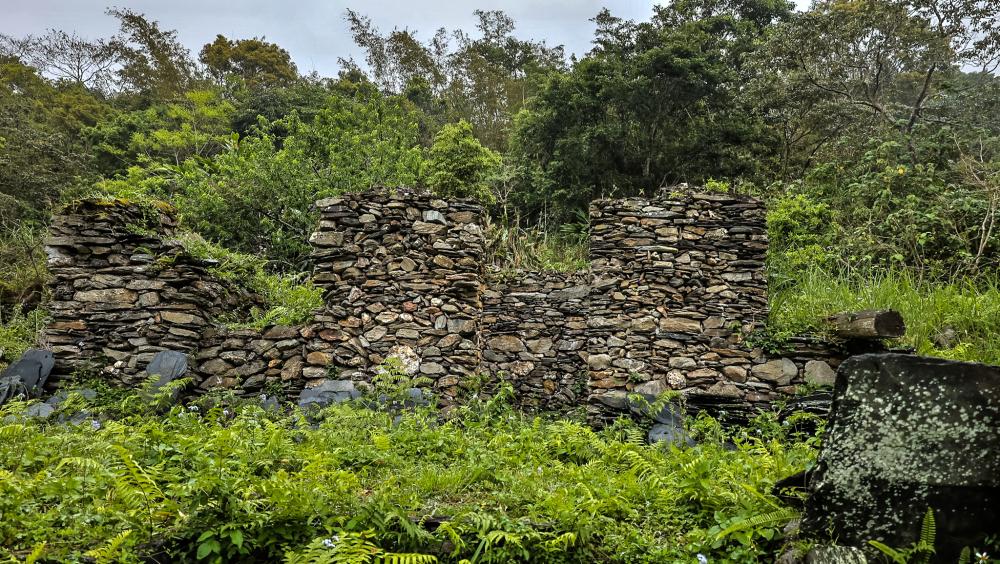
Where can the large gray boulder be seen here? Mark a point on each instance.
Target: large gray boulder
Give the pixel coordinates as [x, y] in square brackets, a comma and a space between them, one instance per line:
[907, 433]
[27, 375]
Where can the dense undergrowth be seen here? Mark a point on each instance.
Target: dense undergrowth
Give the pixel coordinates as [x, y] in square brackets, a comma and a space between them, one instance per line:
[285, 298]
[350, 484]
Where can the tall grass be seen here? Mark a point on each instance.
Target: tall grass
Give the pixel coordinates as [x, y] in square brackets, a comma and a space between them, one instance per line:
[512, 248]
[19, 332]
[958, 319]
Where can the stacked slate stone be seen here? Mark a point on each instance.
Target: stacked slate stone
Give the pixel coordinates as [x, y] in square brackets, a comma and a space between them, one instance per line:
[249, 361]
[403, 275]
[677, 282]
[120, 292]
[535, 335]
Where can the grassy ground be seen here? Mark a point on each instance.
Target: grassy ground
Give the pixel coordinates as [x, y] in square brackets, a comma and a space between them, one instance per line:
[485, 484]
[958, 320]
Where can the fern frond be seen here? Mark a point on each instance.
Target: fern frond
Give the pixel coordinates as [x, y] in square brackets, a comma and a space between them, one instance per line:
[757, 521]
[642, 469]
[928, 529]
[36, 553]
[407, 558]
[111, 551]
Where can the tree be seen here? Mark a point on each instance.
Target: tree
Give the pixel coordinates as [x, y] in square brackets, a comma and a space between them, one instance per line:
[196, 126]
[67, 57]
[39, 159]
[654, 103]
[869, 68]
[484, 80]
[255, 62]
[366, 141]
[154, 63]
[257, 197]
[459, 166]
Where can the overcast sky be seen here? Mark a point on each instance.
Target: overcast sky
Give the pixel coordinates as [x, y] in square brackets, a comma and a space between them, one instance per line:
[313, 31]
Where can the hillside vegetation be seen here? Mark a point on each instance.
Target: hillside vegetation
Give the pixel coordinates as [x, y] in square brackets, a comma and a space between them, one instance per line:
[869, 126]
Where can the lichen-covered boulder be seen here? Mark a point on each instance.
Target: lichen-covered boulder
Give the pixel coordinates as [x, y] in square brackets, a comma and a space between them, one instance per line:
[907, 433]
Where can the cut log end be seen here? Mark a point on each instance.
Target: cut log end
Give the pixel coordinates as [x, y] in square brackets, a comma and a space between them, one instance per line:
[869, 324]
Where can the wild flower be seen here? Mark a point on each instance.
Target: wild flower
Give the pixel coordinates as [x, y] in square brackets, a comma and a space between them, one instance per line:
[982, 557]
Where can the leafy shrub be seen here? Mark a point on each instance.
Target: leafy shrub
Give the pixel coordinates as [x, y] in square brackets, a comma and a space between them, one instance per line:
[289, 299]
[800, 233]
[488, 484]
[459, 166]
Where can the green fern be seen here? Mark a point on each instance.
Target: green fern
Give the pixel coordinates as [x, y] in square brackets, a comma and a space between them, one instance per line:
[764, 520]
[112, 551]
[924, 549]
[919, 552]
[36, 553]
[353, 548]
[897, 556]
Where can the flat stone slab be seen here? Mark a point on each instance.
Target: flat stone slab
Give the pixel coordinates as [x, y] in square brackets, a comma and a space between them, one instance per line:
[907, 433]
[169, 366]
[328, 393]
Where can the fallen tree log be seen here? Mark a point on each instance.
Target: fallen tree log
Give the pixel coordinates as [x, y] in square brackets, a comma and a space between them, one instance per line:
[868, 324]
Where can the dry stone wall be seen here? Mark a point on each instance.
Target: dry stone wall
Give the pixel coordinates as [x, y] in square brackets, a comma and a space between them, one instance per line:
[678, 283]
[535, 336]
[122, 290]
[403, 277]
[675, 285]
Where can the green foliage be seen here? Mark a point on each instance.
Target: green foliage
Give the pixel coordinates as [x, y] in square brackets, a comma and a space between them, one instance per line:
[653, 104]
[800, 232]
[255, 62]
[19, 332]
[486, 484]
[346, 547]
[153, 64]
[40, 154]
[392, 383]
[23, 269]
[365, 141]
[458, 166]
[197, 126]
[510, 248]
[288, 299]
[932, 309]
[256, 197]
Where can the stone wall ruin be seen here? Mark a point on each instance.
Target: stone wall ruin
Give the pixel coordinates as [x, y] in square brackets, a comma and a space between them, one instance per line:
[674, 286]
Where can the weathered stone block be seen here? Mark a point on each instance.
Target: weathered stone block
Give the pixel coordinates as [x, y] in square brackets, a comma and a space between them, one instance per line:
[906, 434]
